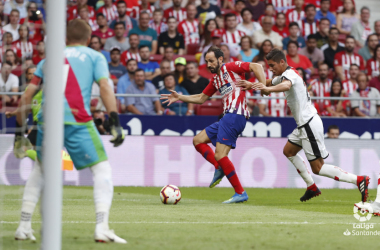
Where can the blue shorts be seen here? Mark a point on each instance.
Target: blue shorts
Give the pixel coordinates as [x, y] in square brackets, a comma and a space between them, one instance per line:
[82, 142]
[227, 130]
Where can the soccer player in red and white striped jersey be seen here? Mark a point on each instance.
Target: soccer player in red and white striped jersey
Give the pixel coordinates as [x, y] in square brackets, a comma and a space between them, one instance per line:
[281, 5]
[73, 12]
[344, 59]
[133, 52]
[23, 46]
[321, 87]
[145, 6]
[309, 25]
[177, 11]
[223, 134]
[189, 27]
[109, 10]
[351, 85]
[296, 14]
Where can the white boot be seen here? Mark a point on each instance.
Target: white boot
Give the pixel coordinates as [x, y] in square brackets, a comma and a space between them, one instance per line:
[108, 235]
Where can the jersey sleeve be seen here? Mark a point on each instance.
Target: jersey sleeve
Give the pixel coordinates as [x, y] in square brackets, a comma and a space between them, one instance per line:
[362, 64]
[276, 80]
[337, 60]
[290, 75]
[238, 67]
[210, 89]
[100, 68]
[39, 70]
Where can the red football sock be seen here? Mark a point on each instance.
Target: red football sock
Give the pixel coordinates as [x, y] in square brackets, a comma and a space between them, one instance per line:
[206, 151]
[229, 171]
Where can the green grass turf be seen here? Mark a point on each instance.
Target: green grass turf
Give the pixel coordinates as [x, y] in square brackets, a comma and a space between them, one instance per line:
[271, 219]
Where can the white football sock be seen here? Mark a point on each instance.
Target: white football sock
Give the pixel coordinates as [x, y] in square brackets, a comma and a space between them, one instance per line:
[337, 174]
[300, 165]
[378, 191]
[103, 193]
[32, 193]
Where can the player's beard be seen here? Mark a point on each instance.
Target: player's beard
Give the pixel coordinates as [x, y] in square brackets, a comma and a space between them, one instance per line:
[349, 50]
[214, 70]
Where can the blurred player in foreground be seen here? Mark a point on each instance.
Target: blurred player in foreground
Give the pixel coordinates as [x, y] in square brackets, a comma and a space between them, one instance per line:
[223, 134]
[373, 207]
[309, 134]
[82, 67]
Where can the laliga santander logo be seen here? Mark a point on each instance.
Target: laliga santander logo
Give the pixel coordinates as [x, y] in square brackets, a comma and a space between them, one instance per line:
[360, 214]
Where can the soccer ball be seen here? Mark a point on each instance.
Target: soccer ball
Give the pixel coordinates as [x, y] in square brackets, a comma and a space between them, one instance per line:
[170, 194]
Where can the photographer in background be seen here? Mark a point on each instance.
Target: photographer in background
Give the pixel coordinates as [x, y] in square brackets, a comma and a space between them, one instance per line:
[101, 123]
[35, 22]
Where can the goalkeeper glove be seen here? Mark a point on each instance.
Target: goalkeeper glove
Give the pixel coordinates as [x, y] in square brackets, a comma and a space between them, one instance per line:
[21, 144]
[116, 130]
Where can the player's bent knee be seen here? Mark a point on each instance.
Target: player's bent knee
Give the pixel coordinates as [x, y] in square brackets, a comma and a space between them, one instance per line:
[219, 156]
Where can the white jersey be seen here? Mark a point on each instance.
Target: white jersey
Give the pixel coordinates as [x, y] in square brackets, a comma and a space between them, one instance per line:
[297, 97]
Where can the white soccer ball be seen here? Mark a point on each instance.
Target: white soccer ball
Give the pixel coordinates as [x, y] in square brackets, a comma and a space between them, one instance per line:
[170, 194]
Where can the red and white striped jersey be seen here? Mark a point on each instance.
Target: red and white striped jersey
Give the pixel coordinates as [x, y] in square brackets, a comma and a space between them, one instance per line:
[282, 5]
[190, 31]
[350, 87]
[137, 10]
[126, 55]
[72, 12]
[180, 15]
[234, 98]
[321, 89]
[345, 60]
[294, 16]
[24, 50]
[268, 74]
[110, 13]
[162, 27]
[373, 67]
[232, 38]
[92, 22]
[308, 28]
[275, 107]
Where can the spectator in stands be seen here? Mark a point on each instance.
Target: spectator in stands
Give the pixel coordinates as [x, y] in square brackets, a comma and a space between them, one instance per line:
[282, 5]
[227, 54]
[350, 85]
[19, 5]
[180, 69]
[247, 52]
[268, 33]
[126, 80]
[366, 108]
[8, 83]
[333, 132]
[377, 28]
[156, 23]
[273, 107]
[256, 7]
[109, 10]
[309, 24]
[239, 6]
[248, 26]
[145, 6]
[148, 36]
[296, 60]
[129, 23]
[175, 11]
[116, 69]
[361, 29]
[151, 69]
[172, 38]
[322, 85]
[85, 15]
[158, 81]
[265, 48]
[73, 11]
[194, 83]
[296, 14]
[323, 32]
[189, 27]
[13, 25]
[343, 59]
[216, 40]
[294, 30]
[336, 108]
[206, 10]
[23, 46]
[104, 31]
[142, 105]
[332, 47]
[133, 51]
[169, 55]
[220, 21]
[347, 17]
[232, 36]
[96, 44]
[311, 51]
[11, 56]
[375, 81]
[177, 108]
[325, 13]
[205, 32]
[118, 40]
[280, 25]
[367, 52]
[374, 63]
[37, 57]
[303, 74]
[35, 23]
[7, 40]
[27, 77]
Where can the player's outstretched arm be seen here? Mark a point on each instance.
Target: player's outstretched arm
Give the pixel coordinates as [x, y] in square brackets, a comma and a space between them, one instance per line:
[259, 72]
[174, 96]
[281, 87]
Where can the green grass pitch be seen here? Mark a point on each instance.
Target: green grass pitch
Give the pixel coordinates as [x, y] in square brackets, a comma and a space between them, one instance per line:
[271, 219]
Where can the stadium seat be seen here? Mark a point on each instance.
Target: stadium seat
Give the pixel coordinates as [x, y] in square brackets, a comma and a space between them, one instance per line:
[209, 108]
[192, 48]
[156, 58]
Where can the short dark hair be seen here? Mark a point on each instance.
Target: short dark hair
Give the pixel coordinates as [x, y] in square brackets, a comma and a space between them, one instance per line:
[280, 13]
[312, 36]
[324, 19]
[332, 127]
[293, 42]
[133, 34]
[325, 1]
[171, 17]
[217, 52]
[293, 24]
[143, 46]
[138, 70]
[244, 10]
[97, 37]
[130, 60]
[276, 55]
[239, 1]
[354, 65]
[100, 14]
[349, 37]
[30, 67]
[310, 5]
[229, 15]
[368, 37]
[168, 46]
[119, 23]
[167, 75]
[121, 2]
[333, 28]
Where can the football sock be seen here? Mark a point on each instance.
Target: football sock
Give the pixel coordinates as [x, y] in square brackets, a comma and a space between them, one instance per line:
[32, 154]
[32, 193]
[229, 171]
[207, 152]
[378, 191]
[103, 193]
[337, 174]
[300, 165]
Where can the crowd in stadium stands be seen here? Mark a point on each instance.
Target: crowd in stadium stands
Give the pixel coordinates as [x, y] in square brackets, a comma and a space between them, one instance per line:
[155, 46]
